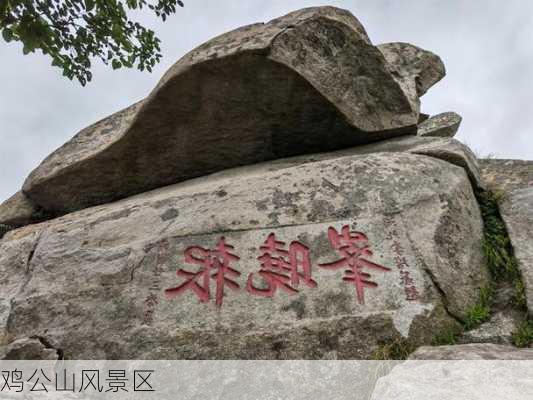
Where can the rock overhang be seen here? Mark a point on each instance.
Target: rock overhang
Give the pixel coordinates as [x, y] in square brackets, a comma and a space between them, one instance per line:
[241, 89]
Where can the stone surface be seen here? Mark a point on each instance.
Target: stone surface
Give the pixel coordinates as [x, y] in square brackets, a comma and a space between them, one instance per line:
[507, 175]
[517, 213]
[416, 69]
[91, 284]
[440, 125]
[446, 149]
[306, 82]
[475, 351]
[463, 372]
[18, 210]
[499, 329]
[28, 349]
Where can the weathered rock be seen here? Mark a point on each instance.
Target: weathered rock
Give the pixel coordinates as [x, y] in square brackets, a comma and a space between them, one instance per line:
[507, 175]
[29, 349]
[18, 210]
[422, 117]
[306, 82]
[466, 372]
[499, 329]
[440, 125]
[416, 69]
[91, 284]
[446, 149]
[517, 213]
[475, 351]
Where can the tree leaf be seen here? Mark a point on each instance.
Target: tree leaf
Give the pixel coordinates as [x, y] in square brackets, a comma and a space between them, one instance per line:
[7, 34]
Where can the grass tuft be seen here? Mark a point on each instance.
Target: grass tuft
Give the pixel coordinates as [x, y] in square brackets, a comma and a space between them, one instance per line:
[497, 246]
[398, 349]
[446, 338]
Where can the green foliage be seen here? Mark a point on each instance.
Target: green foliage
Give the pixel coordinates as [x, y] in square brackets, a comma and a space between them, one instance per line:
[447, 337]
[398, 349]
[72, 32]
[497, 245]
[523, 336]
[479, 312]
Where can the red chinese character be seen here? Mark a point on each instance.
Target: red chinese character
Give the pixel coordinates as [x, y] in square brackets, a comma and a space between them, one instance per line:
[353, 246]
[214, 264]
[281, 268]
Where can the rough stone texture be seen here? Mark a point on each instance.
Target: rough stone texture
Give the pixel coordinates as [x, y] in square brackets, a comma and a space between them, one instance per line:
[440, 125]
[91, 284]
[507, 175]
[504, 320]
[499, 329]
[463, 372]
[517, 213]
[474, 351]
[416, 69]
[306, 82]
[446, 149]
[18, 210]
[29, 349]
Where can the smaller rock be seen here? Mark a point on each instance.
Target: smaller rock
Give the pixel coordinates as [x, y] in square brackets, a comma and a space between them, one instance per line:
[499, 329]
[422, 117]
[507, 175]
[472, 351]
[414, 68]
[16, 211]
[440, 125]
[28, 349]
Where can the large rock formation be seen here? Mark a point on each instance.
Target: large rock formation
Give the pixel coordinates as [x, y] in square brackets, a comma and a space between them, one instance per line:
[102, 283]
[349, 234]
[238, 99]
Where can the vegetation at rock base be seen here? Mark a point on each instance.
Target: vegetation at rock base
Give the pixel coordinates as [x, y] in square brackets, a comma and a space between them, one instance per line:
[72, 32]
[497, 246]
[479, 312]
[398, 349]
[523, 336]
[446, 338]
[475, 316]
[503, 267]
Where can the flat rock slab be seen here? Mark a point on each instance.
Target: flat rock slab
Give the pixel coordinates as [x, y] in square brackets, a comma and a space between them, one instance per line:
[517, 213]
[143, 277]
[440, 125]
[474, 351]
[306, 82]
[507, 175]
[463, 372]
[446, 149]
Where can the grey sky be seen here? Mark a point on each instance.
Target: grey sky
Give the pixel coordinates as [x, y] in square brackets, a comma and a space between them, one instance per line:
[486, 46]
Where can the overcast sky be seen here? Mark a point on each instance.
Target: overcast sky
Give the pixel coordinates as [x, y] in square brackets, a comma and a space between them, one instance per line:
[486, 47]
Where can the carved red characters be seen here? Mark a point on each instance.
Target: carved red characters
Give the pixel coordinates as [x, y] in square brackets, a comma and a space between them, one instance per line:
[354, 247]
[283, 269]
[215, 264]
